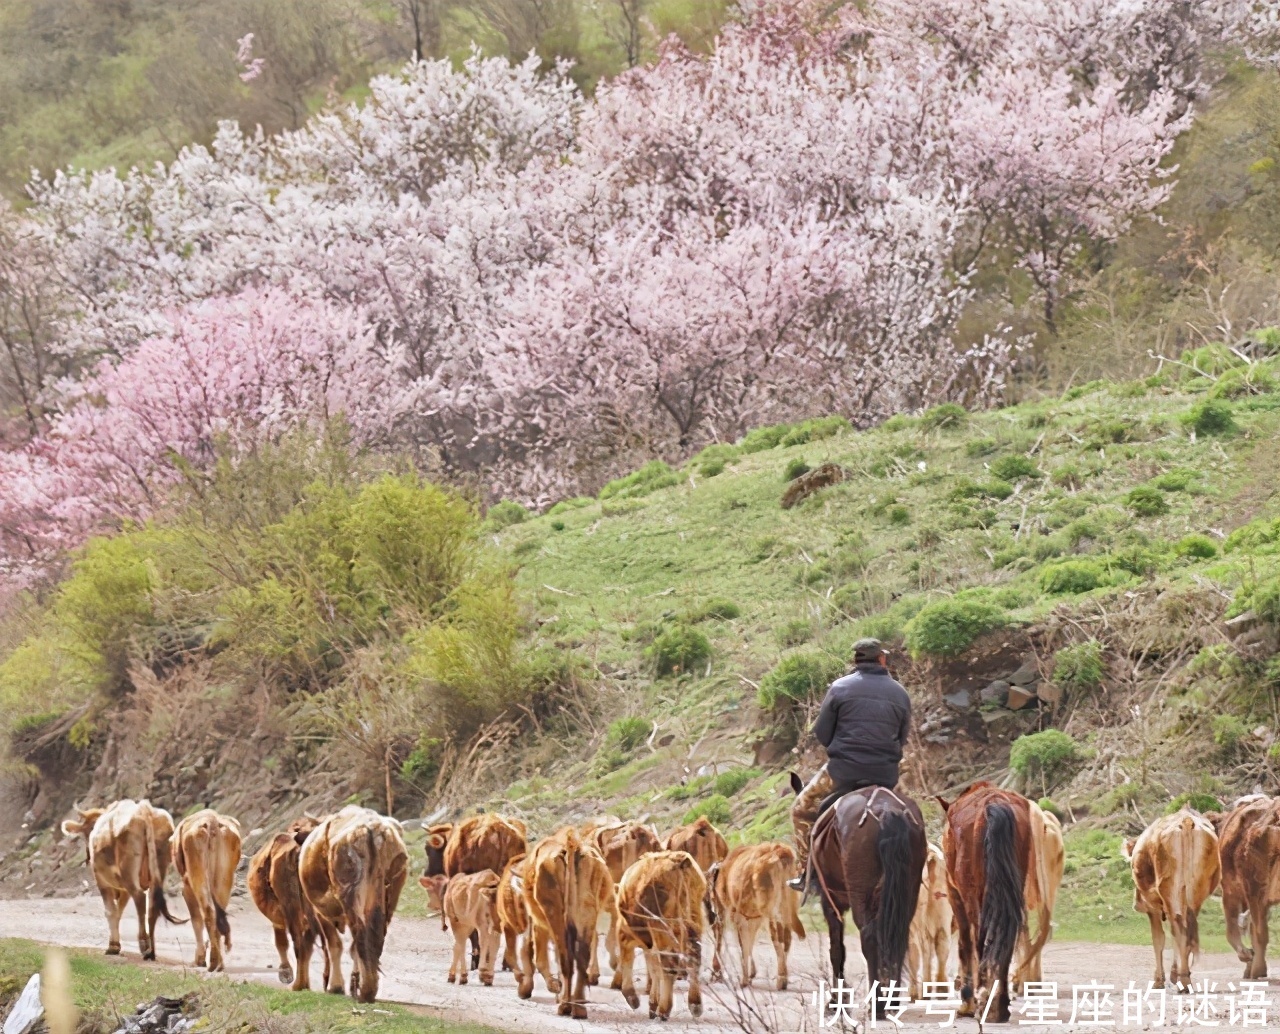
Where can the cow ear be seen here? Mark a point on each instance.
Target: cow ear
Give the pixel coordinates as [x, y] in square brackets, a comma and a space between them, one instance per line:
[797, 784]
[1126, 849]
[943, 802]
[437, 841]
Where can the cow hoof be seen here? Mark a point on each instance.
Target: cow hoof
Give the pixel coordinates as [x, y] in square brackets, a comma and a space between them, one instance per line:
[525, 990]
[564, 1009]
[695, 1009]
[113, 949]
[594, 979]
[632, 999]
[339, 990]
[285, 973]
[554, 987]
[453, 978]
[149, 955]
[616, 983]
[782, 983]
[486, 979]
[578, 1011]
[462, 979]
[653, 1012]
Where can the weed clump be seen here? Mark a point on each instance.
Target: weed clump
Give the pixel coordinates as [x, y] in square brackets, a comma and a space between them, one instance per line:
[678, 648]
[1228, 733]
[795, 633]
[976, 448]
[715, 809]
[796, 678]
[949, 627]
[1197, 547]
[1210, 417]
[731, 783]
[1071, 577]
[795, 467]
[621, 740]
[1146, 501]
[504, 514]
[1197, 800]
[1067, 476]
[1014, 468]
[1174, 480]
[1079, 666]
[649, 478]
[785, 435]
[1046, 756]
[949, 415]
[716, 608]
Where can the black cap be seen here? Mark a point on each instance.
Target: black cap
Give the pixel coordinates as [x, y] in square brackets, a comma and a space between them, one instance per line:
[866, 651]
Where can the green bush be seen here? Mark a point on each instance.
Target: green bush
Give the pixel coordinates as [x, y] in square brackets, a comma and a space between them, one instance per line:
[1262, 597]
[795, 467]
[565, 505]
[1174, 480]
[731, 783]
[1079, 666]
[715, 809]
[1258, 536]
[966, 488]
[1200, 801]
[1146, 501]
[1210, 417]
[1102, 433]
[796, 678]
[653, 476]
[1199, 547]
[976, 448]
[1071, 576]
[718, 608]
[504, 514]
[1228, 732]
[1012, 468]
[898, 422]
[1044, 756]
[813, 430]
[898, 515]
[949, 627]
[628, 734]
[949, 415]
[678, 648]
[795, 633]
[1067, 476]
[1048, 804]
[557, 525]
[762, 438]
[1210, 360]
[711, 468]
[1241, 381]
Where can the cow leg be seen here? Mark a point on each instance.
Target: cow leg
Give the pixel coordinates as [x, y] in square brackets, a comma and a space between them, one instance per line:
[624, 977]
[542, 958]
[780, 933]
[475, 949]
[304, 941]
[197, 924]
[490, 941]
[611, 942]
[1181, 951]
[694, 940]
[717, 930]
[653, 970]
[524, 975]
[941, 949]
[1157, 945]
[584, 959]
[113, 903]
[565, 962]
[593, 955]
[285, 972]
[1259, 934]
[145, 944]
[747, 929]
[510, 953]
[1232, 906]
[666, 973]
[917, 961]
[458, 965]
[333, 956]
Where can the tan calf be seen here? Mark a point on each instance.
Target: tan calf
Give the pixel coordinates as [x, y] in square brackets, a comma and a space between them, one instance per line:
[620, 844]
[277, 892]
[701, 840]
[206, 853]
[513, 918]
[1040, 893]
[660, 912]
[468, 904]
[1175, 869]
[128, 854]
[749, 889]
[930, 937]
[353, 867]
[567, 887]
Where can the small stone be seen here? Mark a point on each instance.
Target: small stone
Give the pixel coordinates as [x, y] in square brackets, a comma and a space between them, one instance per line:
[28, 1010]
[939, 738]
[1019, 698]
[1026, 675]
[1049, 693]
[994, 693]
[960, 699]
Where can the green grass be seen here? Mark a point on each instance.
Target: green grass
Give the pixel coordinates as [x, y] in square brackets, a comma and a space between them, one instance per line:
[107, 988]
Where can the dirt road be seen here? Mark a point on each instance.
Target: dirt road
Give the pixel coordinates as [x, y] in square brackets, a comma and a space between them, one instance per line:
[416, 962]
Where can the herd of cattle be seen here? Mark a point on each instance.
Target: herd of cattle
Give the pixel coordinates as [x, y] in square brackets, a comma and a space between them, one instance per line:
[516, 902]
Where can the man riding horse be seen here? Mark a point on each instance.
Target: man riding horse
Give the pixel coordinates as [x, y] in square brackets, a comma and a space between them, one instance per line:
[863, 724]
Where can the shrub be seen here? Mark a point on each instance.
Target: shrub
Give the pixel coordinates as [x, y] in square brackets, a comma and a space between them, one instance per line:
[1079, 666]
[976, 448]
[1071, 576]
[797, 677]
[1046, 756]
[565, 505]
[711, 468]
[1210, 360]
[1048, 804]
[627, 734]
[898, 515]
[1250, 380]
[718, 608]
[1228, 732]
[795, 467]
[796, 632]
[729, 784]
[504, 514]
[762, 438]
[649, 478]
[948, 627]
[678, 648]
[1199, 547]
[993, 489]
[1011, 468]
[1198, 800]
[1210, 417]
[1174, 480]
[813, 430]
[1258, 536]
[1067, 476]
[1146, 501]
[898, 422]
[715, 809]
[557, 525]
[949, 415]
[1262, 597]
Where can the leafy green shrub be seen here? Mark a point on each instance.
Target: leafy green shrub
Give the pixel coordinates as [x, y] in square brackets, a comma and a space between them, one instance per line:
[1174, 480]
[1071, 576]
[1079, 666]
[897, 422]
[1258, 536]
[504, 514]
[1112, 431]
[760, 439]
[1198, 800]
[711, 468]
[678, 648]
[966, 488]
[1081, 390]
[796, 632]
[718, 608]
[1142, 561]
[1210, 360]
[796, 678]
[715, 809]
[683, 791]
[565, 505]
[729, 784]
[1228, 732]
[813, 430]
[557, 525]
[1011, 468]
[898, 515]
[949, 415]
[653, 476]
[1199, 547]
[1209, 417]
[976, 448]
[1262, 597]
[1243, 380]
[627, 734]
[1067, 476]
[795, 467]
[949, 627]
[1044, 756]
[1146, 501]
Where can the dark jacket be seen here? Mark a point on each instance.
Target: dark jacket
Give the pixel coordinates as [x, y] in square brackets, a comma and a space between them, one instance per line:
[864, 722]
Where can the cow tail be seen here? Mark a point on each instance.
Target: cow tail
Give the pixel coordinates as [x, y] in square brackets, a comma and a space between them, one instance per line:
[1003, 904]
[156, 877]
[1045, 913]
[898, 891]
[213, 833]
[1187, 832]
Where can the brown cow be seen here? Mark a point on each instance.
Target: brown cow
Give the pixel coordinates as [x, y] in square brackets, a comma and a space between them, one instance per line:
[513, 917]
[128, 853]
[206, 853]
[620, 844]
[930, 942]
[660, 912]
[481, 842]
[749, 888]
[353, 867]
[700, 839]
[566, 886]
[1249, 851]
[277, 891]
[468, 904]
[1175, 868]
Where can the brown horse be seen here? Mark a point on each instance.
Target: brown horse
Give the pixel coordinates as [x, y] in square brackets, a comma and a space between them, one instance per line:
[868, 853]
[987, 844]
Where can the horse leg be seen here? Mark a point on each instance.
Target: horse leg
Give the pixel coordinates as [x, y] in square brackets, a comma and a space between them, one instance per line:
[968, 957]
[835, 933]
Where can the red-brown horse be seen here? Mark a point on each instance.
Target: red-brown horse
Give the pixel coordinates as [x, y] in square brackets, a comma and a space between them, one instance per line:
[987, 844]
[868, 853]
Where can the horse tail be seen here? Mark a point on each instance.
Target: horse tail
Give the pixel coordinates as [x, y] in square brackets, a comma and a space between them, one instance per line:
[1003, 906]
[892, 923]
